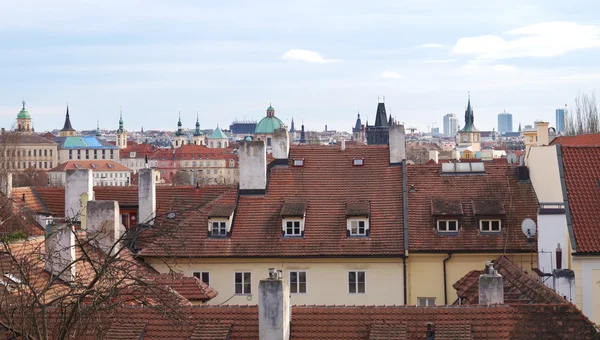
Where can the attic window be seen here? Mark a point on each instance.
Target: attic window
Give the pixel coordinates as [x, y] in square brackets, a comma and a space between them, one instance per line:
[110, 165]
[78, 166]
[447, 226]
[292, 218]
[219, 220]
[94, 166]
[171, 215]
[299, 162]
[292, 227]
[358, 227]
[490, 226]
[358, 162]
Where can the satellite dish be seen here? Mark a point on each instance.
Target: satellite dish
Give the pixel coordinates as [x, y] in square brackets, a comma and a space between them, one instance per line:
[528, 226]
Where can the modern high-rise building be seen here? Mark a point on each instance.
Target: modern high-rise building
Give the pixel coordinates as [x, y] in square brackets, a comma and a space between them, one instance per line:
[450, 124]
[504, 123]
[560, 119]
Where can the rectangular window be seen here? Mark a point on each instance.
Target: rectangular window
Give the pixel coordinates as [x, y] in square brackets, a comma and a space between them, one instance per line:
[243, 283]
[447, 226]
[203, 276]
[491, 226]
[358, 162]
[34, 152]
[292, 228]
[219, 229]
[358, 227]
[103, 154]
[425, 301]
[356, 282]
[298, 282]
[298, 162]
[70, 154]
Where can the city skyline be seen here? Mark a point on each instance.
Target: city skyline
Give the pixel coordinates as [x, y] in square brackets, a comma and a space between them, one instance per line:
[318, 63]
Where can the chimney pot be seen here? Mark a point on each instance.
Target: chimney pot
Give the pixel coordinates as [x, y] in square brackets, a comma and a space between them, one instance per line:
[274, 310]
[60, 251]
[146, 196]
[79, 182]
[253, 166]
[491, 287]
[397, 141]
[343, 144]
[280, 144]
[103, 224]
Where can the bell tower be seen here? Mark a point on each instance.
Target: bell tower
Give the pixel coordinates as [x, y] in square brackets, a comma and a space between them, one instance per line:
[121, 134]
[469, 135]
[24, 121]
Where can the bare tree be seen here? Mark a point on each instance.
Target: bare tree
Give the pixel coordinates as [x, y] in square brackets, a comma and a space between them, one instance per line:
[181, 178]
[584, 119]
[31, 177]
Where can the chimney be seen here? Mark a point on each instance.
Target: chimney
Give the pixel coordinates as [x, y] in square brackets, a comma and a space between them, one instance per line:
[280, 146]
[60, 251]
[343, 145]
[253, 167]
[434, 155]
[397, 144]
[6, 184]
[564, 283]
[146, 196]
[455, 154]
[274, 313]
[80, 185]
[491, 287]
[542, 133]
[104, 225]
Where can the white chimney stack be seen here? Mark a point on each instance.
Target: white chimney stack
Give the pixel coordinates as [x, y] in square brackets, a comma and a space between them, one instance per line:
[434, 155]
[104, 225]
[79, 182]
[564, 284]
[147, 196]
[397, 144]
[274, 313]
[343, 145]
[542, 133]
[491, 287]
[253, 166]
[60, 251]
[6, 184]
[280, 145]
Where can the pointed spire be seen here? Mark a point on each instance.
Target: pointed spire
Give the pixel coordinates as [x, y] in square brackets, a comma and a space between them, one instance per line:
[67, 126]
[121, 129]
[302, 135]
[98, 134]
[23, 104]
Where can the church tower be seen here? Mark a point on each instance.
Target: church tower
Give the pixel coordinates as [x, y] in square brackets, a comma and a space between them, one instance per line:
[198, 138]
[121, 134]
[24, 121]
[180, 137]
[358, 131]
[469, 136]
[67, 129]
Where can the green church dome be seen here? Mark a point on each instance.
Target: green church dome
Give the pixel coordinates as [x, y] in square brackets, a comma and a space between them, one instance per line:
[268, 125]
[23, 114]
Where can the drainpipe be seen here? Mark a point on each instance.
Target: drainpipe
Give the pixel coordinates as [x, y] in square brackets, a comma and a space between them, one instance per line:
[405, 224]
[445, 292]
[404, 279]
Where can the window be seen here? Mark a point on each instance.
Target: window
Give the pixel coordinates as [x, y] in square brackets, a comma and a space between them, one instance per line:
[243, 283]
[298, 282]
[204, 276]
[491, 226]
[425, 301]
[358, 227]
[268, 141]
[299, 162]
[356, 282]
[219, 229]
[292, 228]
[70, 154]
[358, 162]
[34, 152]
[447, 226]
[78, 154]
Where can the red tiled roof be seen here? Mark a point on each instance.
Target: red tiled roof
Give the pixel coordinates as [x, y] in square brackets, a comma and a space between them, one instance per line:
[326, 182]
[591, 139]
[95, 165]
[499, 183]
[519, 286]
[189, 287]
[582, 173]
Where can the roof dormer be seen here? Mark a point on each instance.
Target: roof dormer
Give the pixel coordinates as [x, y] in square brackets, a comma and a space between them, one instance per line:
[490, 214]
[219, 220]
[292, 219]
[446, 214]
[357, 219]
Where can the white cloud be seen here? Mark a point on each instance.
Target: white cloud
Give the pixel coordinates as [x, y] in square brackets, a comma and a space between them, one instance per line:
[432, 46]
[439, 61]
[539, 40]
[390, 75]
[502, 67]
[306, 56]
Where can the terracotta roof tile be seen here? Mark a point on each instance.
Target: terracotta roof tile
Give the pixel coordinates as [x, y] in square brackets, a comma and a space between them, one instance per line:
[488, 207]
[189, 287]
[499, 183]
[293, 209]
[357, 209]
[582, 175]
[221, 211]
[446, 207]
[591, 139]
[95, 165]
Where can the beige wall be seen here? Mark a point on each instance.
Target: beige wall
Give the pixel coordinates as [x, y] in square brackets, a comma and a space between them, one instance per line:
[542, 162]
[39, 156]
[587, 285]
[426, 272]
[327, 279]
[63, 155]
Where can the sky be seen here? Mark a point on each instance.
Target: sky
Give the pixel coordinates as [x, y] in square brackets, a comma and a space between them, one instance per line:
[318, 62]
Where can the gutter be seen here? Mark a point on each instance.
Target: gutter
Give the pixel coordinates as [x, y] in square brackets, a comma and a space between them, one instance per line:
[445, 279]
[405, 225]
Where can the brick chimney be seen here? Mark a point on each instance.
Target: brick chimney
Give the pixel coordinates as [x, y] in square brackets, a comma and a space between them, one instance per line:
[280, 146]
[274, 313]
[78, 190]
[146, 196]
[60, 251]
[253, 167]
[104, 226]
[6, 184]
[397, 144]
[491, 286]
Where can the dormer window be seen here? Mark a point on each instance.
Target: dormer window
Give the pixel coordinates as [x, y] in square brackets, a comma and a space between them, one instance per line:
[219, 220]
[358, 162]
[292, 219]
[299, 162]
[490, 226]
[447, 226]
[446, 214]
[357, 219]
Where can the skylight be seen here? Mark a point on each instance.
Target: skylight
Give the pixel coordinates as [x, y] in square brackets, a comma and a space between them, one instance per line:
[463, 168]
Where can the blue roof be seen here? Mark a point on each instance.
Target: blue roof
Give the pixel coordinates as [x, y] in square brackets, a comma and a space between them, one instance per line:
[83, 142]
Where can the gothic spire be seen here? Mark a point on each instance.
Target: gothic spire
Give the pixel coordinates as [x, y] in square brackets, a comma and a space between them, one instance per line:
[67, 126]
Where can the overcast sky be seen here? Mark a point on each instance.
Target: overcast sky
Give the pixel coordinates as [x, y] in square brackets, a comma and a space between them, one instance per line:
[316, 61]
